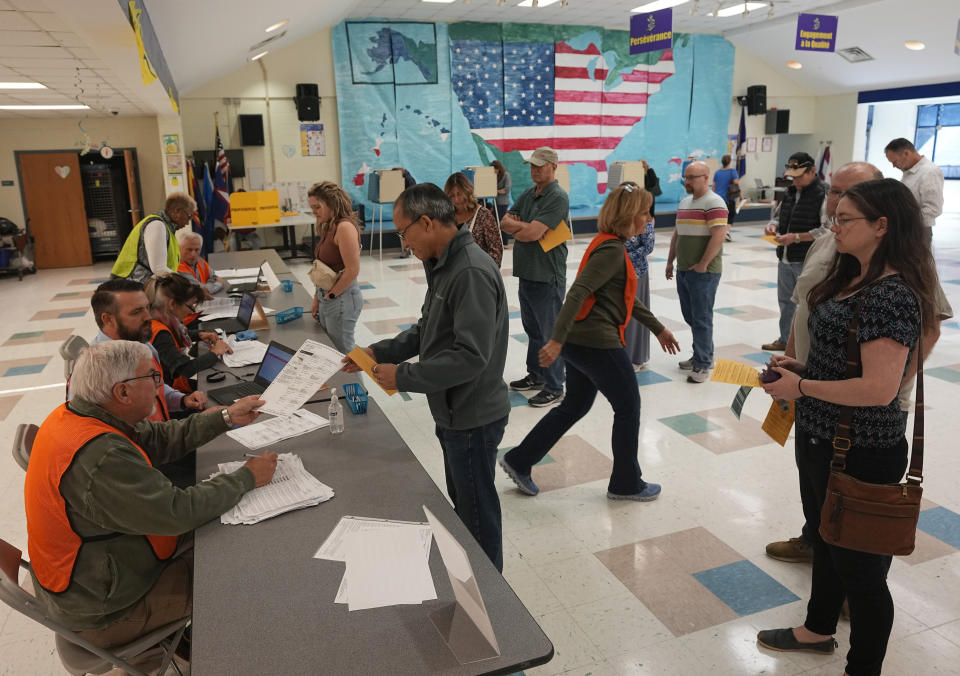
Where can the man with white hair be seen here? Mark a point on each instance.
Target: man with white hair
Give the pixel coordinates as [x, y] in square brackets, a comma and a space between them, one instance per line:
[151, 248]
[192, 266]
[102, 522]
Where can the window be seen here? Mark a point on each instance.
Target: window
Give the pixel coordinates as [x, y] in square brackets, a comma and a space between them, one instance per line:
[938, 136]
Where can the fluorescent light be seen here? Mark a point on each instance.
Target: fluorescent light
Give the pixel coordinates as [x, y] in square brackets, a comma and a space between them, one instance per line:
[542, 3]
[260, 55]
[738, 8]
[21, 85]
[657, 4]
[69, 107]
[279, 24]
[915, 45]
[796, 65]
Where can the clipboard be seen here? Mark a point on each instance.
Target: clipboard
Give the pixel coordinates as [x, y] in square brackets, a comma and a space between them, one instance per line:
[364, 361]
[555, 237]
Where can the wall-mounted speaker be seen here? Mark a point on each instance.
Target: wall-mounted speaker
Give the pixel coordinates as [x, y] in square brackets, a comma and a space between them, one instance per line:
[308, 102]
[251, 130]
[756, 99]
[778, 122]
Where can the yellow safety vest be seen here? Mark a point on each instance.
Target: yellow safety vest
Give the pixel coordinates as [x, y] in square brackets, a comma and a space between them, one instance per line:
[132, 261]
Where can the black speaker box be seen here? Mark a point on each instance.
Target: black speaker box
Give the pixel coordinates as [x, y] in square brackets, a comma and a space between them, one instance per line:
[308, 102]
[778, 122]
[251, 130]
[308, 91]
[756, 99]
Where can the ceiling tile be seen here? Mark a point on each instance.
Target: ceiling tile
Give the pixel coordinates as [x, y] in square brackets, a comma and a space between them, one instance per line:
[48, 21]
[14, 21]
[32, 52]
[68, 39]
[31, 38]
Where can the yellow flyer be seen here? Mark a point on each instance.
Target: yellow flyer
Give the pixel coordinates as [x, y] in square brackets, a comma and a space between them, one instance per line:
[735, 373]
[771, 239]
[779, 420]
[364, 361]
[556, 237]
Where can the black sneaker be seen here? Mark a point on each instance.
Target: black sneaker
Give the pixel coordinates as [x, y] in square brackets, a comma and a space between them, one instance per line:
[525, 383]
[544, 398]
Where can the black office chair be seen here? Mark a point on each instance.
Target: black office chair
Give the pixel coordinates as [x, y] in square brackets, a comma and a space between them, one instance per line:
[23, 443]
[78, 655]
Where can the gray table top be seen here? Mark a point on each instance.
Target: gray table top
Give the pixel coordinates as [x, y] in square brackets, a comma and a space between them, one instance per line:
[248, 258]
[263, 605]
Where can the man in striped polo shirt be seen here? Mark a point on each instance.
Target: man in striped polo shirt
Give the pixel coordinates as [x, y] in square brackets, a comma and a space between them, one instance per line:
[697, 246]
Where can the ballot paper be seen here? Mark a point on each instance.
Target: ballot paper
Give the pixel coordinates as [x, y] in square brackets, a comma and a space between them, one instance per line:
[273, 430]
[386, 568]
[312, 366]
[555, 237]
[770, 238]
[334, 548]
[245, 352]
[735, 373]
[292, 487]
[238, 274]
[779, 421]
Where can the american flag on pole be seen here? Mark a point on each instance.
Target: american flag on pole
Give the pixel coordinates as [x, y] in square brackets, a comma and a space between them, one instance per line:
[219, 211]
[518, 96]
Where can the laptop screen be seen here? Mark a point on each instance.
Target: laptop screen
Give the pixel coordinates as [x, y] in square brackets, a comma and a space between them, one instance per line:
[274, 360]
[245, 312]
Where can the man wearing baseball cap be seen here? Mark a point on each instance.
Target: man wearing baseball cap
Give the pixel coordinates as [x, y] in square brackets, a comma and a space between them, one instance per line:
[541, 208]
[801, 213]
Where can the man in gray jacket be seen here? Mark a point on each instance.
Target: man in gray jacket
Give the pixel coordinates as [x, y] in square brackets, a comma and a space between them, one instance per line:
[461, 340]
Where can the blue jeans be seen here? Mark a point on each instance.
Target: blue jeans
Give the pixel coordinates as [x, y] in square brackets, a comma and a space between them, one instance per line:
[787, 274]
[697, 291]
[540, 304]
[589, 370]
[338, 317]
[469, 460]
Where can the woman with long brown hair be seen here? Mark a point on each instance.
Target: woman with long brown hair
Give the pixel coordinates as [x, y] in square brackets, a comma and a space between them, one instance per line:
[884, 278]
[337, 307]
[474, 216]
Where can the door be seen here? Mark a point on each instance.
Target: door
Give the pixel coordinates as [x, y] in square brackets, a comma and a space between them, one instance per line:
[133, 186]
[53, 201]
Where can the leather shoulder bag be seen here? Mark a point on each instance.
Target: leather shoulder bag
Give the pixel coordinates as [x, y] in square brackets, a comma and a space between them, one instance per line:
[866, 517]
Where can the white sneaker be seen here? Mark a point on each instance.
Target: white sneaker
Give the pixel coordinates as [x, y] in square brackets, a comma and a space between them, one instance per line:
[686, 364]
[698, 375]
[639, 367]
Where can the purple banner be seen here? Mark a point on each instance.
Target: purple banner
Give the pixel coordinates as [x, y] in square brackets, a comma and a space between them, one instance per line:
[651, 31]
[816, 32]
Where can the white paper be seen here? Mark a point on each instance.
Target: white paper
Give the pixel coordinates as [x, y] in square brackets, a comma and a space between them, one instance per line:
[242, 280]
[423, 534]
[220, 313]
[245, 352]
[233, 273]
[218, 303]
[332, 548]
[312, 366]
[270, 277]
[273, 430]
[384, 568]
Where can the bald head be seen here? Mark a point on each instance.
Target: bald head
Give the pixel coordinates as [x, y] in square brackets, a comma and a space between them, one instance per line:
[696, 179]
[846, 177]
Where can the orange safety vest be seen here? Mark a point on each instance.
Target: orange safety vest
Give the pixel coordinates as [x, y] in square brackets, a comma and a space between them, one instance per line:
[160, 413]
[51, 540]
[156, 328]
[629, 289]
[201, 274]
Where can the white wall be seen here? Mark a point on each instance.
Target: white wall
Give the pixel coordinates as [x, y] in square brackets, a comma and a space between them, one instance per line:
[836, 125]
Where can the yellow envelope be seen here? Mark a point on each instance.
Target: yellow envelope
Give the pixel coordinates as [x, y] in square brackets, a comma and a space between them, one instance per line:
[778, 422]
[556, 237]
[771, 239]
[364, 361]
[735, 373]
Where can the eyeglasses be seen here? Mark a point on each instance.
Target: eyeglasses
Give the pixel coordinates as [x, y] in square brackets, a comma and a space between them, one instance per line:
[402, 234]
[156, 375]
[798, 166]
[192, 308]
[629, 187]
[690, 178]
[840, 222]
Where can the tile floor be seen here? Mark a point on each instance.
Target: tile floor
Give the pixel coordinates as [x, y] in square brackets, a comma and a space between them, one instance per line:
[677, 586]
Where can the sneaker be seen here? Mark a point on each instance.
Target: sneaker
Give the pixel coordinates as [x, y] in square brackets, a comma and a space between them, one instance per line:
[776, 346]
[526, 383]
[728, 238]
[687, 364]
[639, 367]
[794, 550]
[648, 494]
[783, 640]
[698, 375]
[524, 481]
[544, 398]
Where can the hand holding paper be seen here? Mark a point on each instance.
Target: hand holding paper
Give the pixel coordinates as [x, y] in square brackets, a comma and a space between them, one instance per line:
[365, 362]
[735, 373]
[556, 237]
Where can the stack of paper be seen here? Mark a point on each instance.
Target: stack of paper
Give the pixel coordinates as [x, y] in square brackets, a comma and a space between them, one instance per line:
[292, 487]
[387, 562]
[273, 430]
[236, 274]
[245, 352]
[312, 365]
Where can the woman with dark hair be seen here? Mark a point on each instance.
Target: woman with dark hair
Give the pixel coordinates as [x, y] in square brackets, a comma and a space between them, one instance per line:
[723, 179]
[473, 216]
[651, 184]
[589, 333]
[504, 186]
[172, 300]
[338, 306]
[884, 275]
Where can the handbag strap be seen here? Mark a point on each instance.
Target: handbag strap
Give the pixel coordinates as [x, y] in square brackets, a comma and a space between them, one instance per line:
[841, 439]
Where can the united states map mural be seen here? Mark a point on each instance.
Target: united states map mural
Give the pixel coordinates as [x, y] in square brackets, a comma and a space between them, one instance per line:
[436, 97]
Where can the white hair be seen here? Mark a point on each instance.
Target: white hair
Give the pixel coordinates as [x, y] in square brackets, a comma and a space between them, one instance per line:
[186, 234]
[103, 365]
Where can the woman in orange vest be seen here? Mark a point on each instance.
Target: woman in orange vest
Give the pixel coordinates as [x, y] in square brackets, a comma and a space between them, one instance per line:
[589, 333]
[172, 300]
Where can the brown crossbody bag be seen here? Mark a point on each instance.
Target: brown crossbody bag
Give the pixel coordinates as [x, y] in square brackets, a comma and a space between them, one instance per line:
[866, 517]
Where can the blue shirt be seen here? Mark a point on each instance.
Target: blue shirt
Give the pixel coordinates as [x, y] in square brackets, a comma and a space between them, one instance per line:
[639, 247]
[722, 178]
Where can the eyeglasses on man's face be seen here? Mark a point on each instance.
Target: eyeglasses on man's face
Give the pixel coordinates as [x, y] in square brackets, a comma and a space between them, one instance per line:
[691, 177]
[156, 375]
[402, 234]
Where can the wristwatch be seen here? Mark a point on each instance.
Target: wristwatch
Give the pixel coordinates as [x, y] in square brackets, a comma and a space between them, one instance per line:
[226, 417]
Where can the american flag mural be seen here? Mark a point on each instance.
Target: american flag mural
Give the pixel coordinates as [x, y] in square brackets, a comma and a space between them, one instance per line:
[518, 96]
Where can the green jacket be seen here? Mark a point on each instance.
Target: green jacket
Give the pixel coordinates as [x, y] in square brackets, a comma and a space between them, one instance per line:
[461, 339]
[111, 491]
[132, 262]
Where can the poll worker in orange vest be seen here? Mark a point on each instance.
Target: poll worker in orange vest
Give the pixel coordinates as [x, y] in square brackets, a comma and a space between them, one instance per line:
[589, 334]
[194, 268]
[172, 300]
[102, 523]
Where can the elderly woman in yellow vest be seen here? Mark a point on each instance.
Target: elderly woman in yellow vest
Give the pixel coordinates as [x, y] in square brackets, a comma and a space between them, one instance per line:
[193, 267]
[151, 247]
[589, 333]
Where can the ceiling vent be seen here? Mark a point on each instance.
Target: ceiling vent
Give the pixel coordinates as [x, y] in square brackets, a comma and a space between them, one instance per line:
[854, 54]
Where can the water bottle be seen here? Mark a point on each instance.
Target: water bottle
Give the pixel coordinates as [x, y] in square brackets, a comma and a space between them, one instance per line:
[335, 413]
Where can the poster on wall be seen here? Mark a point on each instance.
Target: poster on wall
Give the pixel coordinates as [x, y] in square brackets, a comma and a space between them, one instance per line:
[651, 31]
[751, 144]
[767, 145]
[174, 164]
[732, 144]
[312, 141]
[816, 32]
[171, 144]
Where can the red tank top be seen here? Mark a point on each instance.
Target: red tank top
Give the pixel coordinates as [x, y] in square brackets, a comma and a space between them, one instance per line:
[327, 251]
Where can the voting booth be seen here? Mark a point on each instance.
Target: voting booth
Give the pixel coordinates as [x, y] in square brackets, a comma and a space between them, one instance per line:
[620, 172]
[484, 181]
[384, 185]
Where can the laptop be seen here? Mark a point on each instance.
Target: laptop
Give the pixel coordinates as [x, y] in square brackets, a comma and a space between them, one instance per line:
[275, 358]
[234, 324]
[248, 286]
